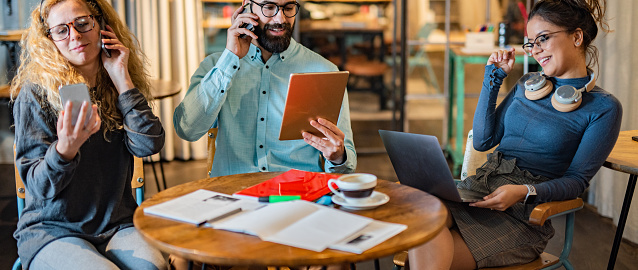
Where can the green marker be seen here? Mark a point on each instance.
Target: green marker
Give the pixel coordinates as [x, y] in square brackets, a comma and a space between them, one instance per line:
[279, 198]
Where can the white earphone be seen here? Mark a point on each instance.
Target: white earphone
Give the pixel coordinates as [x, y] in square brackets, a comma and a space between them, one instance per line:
[566, 98]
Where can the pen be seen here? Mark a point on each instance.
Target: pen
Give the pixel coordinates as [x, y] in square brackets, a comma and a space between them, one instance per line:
[230, 213]
[279, 198]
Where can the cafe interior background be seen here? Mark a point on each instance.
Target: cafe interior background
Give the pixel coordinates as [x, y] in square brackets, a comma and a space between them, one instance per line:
[177, 34]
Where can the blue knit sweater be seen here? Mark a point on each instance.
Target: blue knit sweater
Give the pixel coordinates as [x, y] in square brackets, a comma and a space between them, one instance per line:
[568, 148]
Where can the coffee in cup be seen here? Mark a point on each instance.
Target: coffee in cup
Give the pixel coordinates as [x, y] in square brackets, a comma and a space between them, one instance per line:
[354, 188]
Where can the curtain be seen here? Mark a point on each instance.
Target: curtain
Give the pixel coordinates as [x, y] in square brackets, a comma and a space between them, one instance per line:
[617, 74]
[171, 35]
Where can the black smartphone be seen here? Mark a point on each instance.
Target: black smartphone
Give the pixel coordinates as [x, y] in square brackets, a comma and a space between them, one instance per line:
[635, 138]
[248, 26]
[106, 51]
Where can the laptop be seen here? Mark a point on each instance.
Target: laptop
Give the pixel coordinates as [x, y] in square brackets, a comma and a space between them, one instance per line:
[419, 163]
[310, 96]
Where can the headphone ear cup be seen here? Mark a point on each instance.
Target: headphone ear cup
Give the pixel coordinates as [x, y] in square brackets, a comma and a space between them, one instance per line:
[565, 107]
[540, 93]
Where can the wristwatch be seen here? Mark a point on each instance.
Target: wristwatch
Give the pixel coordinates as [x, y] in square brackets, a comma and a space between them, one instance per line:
[531, 194]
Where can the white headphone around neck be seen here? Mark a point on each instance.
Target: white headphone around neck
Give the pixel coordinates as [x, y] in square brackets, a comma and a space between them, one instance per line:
[566, 98]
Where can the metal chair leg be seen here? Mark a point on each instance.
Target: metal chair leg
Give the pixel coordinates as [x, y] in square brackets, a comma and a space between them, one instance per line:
[162, 169]
[157, 185]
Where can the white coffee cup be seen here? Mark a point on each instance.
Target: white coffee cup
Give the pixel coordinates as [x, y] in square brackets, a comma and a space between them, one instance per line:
[354, 188]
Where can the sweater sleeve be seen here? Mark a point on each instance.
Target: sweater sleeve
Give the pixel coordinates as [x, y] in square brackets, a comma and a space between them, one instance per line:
[488, 126]
[595, 146]
[144, 131]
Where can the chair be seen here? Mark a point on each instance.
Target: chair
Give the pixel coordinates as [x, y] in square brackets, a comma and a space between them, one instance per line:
[541, 213]
[372, 71]
[421, 59]
[137, 184]
[212, 135]
[364, 67]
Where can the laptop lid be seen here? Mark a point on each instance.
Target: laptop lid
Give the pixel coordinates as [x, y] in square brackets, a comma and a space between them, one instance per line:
[419, 162]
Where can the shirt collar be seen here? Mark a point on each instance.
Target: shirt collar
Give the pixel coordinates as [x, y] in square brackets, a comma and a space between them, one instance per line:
[255, 52]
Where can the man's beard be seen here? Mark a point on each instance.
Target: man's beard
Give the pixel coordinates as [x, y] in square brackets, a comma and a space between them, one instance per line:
[274, 44]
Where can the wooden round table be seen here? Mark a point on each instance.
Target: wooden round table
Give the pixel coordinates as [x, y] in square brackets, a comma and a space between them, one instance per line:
[424, 215]
[623, 158]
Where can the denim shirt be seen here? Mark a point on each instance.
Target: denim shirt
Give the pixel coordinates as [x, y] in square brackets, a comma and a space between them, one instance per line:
[567, 147]
[246, 97]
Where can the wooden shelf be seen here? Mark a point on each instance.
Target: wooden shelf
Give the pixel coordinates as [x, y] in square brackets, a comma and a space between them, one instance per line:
[11, 35]
[4, 91]
[219, 23]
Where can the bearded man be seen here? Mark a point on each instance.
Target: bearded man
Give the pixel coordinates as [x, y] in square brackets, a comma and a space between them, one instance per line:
[243, 91]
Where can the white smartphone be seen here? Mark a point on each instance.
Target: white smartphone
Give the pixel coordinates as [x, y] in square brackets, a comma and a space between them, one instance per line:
[77, 94]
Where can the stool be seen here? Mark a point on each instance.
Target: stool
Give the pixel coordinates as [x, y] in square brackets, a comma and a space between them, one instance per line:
[372, 71]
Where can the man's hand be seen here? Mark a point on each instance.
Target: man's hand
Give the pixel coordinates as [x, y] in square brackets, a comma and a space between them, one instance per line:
[235, 44]
[331, 145]
[503, 197]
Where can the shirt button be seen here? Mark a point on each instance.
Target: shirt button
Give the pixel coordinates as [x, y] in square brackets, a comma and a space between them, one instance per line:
[234, 67]
[261, 146]
[263, 92]
[222, 91]
[267, 67]
[282, 58]
[263, 168]
[262, 119]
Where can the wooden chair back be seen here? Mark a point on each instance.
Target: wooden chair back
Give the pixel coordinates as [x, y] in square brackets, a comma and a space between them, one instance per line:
[20, 189]
[212, 135]
[138, 173]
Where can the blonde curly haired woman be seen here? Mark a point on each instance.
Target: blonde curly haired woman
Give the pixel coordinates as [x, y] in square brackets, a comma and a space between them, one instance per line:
[79, 205]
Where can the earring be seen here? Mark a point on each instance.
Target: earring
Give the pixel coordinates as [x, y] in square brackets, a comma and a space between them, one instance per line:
[577, 43]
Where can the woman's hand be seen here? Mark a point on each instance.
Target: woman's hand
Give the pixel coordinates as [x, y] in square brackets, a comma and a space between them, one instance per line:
[503, 59]
[503, 197]
[235, 44]
[117, 64]
[70, 136]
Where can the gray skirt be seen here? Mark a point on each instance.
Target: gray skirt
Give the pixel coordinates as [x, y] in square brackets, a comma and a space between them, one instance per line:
[499, 238]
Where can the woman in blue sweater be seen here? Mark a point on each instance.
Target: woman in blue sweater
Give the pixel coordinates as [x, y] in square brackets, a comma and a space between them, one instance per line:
[554, 130]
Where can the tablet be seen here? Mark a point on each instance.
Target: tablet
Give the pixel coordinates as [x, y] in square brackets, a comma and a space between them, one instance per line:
[310, 96]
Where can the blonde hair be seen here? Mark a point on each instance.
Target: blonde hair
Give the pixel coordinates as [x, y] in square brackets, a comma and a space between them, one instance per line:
[42, 64]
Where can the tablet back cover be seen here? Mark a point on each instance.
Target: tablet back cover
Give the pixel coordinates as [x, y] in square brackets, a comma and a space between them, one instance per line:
[310, 96]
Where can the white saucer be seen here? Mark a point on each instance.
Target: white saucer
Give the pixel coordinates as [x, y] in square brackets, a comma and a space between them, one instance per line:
[375, 200]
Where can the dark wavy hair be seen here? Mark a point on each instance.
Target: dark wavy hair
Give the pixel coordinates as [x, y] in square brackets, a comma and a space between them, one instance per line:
[573, 14]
